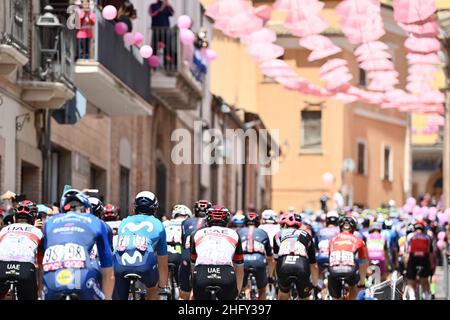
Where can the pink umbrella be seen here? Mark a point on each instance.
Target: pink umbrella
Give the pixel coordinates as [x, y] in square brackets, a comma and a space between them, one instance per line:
[306, 27]
[240, 24]
[264, 12]
[382, 74]
[374, 55]
[416, 58]
[377, 65]
[346, 98]
[301, 9]
[422, 69]
[340, 83]
[336, 73]
[429, 28]
[265, 51]
[333, 64]
[370, 47]
[432, 97]
[220, 9]
[409, 11]
[358, 7]
[263, 35]
[417, 87]
[322, 47]
[282, 5]
[380, 86]
[274, 64]
[422, 45]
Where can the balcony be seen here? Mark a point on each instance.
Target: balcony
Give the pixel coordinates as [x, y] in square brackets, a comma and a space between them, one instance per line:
[178, 80]
[13, 37]
[113, 77]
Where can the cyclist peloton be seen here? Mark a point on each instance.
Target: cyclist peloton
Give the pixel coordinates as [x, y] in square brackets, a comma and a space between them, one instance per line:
[257, 253]
[269, 223]
[418, 252]
[216, 253]
[295, 257]
[377, 250]
[21, 252]
[141, 249]
[174, 235]
[188, 227]
[68, 240]
[348, 260]
[111, 217]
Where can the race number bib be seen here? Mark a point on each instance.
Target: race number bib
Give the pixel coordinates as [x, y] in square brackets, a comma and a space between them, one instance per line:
[173, 234]
[122, 243]
[342, 258]
[292, 247]
[70, 255]
[324, 246]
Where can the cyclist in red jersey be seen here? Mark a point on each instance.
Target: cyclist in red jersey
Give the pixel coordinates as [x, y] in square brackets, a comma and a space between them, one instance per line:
[348, 260]
[418, 257]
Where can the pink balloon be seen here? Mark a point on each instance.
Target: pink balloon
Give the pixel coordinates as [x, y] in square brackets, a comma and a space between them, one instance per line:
[138, 38]
[328, 178]
[441, 244]
[184, 22]
[121, 28]
[424, 211]
[128, 38]
[154, 61]
[407, 208]
[441, 235]
[441, 218]
[416, 211]
[109, 12]
[187, 37]
[210, 55]
[146, 51]
[411, 202]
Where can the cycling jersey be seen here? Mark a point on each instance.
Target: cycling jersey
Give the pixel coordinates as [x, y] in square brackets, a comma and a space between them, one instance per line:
[94, 253]
[216, 246]
[323, 242]
[294, 242]
[347, 249]
[188, 227]
[114, 225]
[21, 242]
[255, 241]
[271, 230]
[68, 268]
[418, 244]
[174, 235]
[376, 245]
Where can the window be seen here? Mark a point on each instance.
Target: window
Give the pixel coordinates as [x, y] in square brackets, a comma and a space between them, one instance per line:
[311, 135]
[362, 77]
[362, 158]
[387, 165]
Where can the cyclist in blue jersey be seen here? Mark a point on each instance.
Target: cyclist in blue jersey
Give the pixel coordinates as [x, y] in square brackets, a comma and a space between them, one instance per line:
[68, 241]
[188, 227]
[141, 249]
[257, 253]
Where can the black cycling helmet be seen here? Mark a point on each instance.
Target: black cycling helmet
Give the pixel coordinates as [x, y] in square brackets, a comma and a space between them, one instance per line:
[332, 218]
[252, 219]
[97, 206]
[145, 203]
[26, 210]
[347, 223]
[201, 207]
[218, 216]
[74, 199]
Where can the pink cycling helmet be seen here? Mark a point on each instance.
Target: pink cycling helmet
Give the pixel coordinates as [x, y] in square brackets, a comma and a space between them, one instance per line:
[291, 219]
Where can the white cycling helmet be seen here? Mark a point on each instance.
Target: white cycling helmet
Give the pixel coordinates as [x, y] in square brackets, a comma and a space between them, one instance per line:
[181, 210]
[269, 215]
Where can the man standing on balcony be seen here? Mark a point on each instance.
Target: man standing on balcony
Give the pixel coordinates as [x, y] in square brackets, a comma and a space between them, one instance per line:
[160, 12]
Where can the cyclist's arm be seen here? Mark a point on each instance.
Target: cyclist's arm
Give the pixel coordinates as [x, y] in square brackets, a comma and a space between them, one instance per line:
[238, 261]
[105, 257]
[313, 264]
[362, 262]
[193, 252]
[163, 260]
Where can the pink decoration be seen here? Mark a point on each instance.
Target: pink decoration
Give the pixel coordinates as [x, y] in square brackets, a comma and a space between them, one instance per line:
[332, 65]
[138, 38]
[377, 65]
[210, 55]
[306, 27]
[187, 37]
[146, 52]
[109, 12]
[441, 235]
[261, 36]
[265, 51]
[409, 11]
[128, 38]
[154, 61]
[422, 45]
[416, 58]
[322, 47]
[374, 46]
[441, 244]
[407, 208]
[184, 22]
[264, 12]
[121, 28]
[428, 28]
[328, 178]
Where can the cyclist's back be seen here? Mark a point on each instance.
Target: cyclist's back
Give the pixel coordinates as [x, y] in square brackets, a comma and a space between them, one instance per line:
[68, 241]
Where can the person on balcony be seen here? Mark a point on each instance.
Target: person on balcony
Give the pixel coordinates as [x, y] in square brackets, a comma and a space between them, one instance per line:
[162, 37]
[85, 33]
[127, 13]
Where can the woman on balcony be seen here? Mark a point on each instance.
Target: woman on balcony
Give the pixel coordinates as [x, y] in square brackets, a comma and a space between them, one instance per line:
[85, 33]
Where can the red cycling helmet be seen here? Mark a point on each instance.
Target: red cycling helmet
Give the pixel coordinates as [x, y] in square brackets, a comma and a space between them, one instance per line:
[291, 219]
[110, 213]
[252, 218]
[26, 210]
[201, 207]
[218, 216]
[419, 225]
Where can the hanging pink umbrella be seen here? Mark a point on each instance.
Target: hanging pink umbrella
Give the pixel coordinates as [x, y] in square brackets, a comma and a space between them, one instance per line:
[377, 65]
[301, 9]
[380, 86]
[346, 98]
[322, 47]
[422, 45]
[240, 24]
[374, 55]
[409, 11]
[417, 58]
[333, 64]
[282, 5]
[349, 8]
[336, 73]
[265, 51]
[417, 87]
[306, 27]
[264, 12]
[263, 35]
[432, 97]
[429, 28]
[221, 9]
[369, 47]
[274, 64]
[422, 69]
[382, 74]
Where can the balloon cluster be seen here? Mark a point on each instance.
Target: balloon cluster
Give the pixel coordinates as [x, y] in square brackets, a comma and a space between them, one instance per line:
[131, 38]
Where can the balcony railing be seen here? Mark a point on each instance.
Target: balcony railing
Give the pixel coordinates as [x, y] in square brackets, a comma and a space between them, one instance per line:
[123, 62]
[14, 23]
[176, 57]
